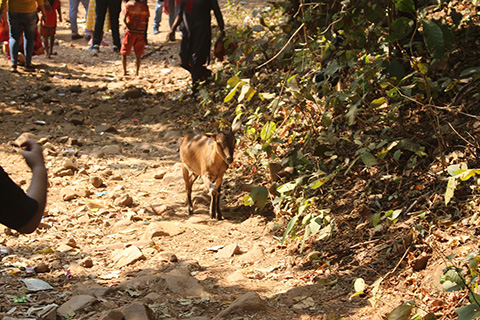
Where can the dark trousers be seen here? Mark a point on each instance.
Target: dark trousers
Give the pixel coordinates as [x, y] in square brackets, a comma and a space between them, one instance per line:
[114, 6]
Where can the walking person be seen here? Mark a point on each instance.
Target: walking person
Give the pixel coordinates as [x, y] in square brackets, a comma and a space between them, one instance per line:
[48, 27]
[73, 15]
[136, 21]
[114, 7]
[22, 16]
[196, 36]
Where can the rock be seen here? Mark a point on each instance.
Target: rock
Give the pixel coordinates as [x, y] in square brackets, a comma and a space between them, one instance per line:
[123, 201]
[159, 174]
[137, 311]
[159, 208]
[112, 315]
[71, 164]
[93, 289]
[246, 304]
[152, 297]
[68, 194]
[42, 268]
[132, 93]
[172, 135]
[75, 88]
[167, 257]
[162, 229]
[24, 137]
[108, 150]
[179, 281]
[254, 255]
[127, 256]
[229, 251]
[76, 304]
[87, 262]
[96, 181]
[100, 129]
[72, 243]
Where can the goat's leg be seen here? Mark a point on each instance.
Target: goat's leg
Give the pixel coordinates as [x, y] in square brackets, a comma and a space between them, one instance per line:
[189, 180]
[218, 187]
[213, 201]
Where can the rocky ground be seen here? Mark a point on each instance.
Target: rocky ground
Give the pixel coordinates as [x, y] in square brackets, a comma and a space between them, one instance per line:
[116, 240]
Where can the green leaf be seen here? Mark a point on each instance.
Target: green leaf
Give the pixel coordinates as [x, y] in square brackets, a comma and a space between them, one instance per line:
[470, 71]
[268, 130]
[230, 95]
[259, 196]
[400, 29]
[377, 102]
[359, 287]
[434, 39]
[405, 5]
[402, 312]
[468, 312]
[287, 187]
[248, 201]
[290, 227]
[292, 83]
[368, 159]
[233, 81]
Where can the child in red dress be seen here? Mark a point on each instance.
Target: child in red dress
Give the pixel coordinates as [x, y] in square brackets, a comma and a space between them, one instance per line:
[136, 19]
[49, 25]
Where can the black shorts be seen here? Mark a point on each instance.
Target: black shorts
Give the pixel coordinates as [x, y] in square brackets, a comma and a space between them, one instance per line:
[16, 207]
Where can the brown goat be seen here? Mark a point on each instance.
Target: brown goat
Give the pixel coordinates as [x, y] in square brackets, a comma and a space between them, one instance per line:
[207, 155]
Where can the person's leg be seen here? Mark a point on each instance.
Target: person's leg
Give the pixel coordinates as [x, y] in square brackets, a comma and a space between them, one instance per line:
[88, 32]
[158, 16]
[115, 6]
[124, 64]
[15, 28]
[29, 25]
[72, 14]
[100, 11]
[52, 41]
[171, 12]
[139, 62]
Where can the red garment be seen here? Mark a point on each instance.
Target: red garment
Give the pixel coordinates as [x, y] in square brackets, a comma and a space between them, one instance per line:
[51, 16]
[135, 40]
[4, 34]
[136, 16]
[165, 5]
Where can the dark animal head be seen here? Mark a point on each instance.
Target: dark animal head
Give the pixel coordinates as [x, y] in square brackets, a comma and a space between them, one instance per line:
[226, 143]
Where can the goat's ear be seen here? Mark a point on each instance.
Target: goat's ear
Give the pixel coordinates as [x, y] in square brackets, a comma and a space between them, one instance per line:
[236, 126]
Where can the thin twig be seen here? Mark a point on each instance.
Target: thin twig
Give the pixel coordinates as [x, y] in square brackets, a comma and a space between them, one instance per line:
[284, 47]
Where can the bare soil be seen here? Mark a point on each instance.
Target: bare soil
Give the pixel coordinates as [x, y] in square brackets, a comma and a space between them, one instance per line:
[79, 106]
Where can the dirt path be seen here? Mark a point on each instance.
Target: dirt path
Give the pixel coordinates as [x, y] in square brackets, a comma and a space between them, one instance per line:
[116, 230]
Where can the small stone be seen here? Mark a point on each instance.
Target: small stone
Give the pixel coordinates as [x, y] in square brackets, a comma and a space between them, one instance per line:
[123, 201]
[87, 262]
[75, 304]
[104, 128]
[72, 243]
[42, 268]
[137, 311]
[68, 194]
[159, 208]
[127, 256]
[132, 93]
[112, 315]
[248, 303]
[97, 182]
[229, 251]
[75, 88]
[159, 174]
